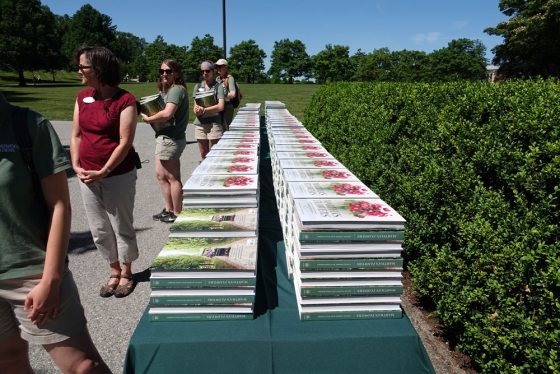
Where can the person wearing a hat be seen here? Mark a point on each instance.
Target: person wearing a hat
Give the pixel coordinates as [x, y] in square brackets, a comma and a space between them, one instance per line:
[228, 81]
[209, 121]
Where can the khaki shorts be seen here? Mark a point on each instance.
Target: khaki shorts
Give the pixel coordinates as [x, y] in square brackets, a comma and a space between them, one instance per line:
[70, 322]
[211, 131]
[169, 149]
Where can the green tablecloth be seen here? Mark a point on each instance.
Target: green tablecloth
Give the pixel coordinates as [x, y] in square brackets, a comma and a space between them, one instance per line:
[276, 341]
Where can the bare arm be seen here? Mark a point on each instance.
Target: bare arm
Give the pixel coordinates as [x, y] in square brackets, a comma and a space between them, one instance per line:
[214, 109]
[75, 139]
[44, 298]
[162, 116]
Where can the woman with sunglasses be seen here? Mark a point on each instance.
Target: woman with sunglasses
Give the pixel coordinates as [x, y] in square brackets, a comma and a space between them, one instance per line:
[209, 127]
[104, 160]
[170, 140]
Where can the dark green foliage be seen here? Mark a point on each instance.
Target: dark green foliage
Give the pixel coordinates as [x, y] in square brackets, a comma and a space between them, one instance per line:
[475, 170]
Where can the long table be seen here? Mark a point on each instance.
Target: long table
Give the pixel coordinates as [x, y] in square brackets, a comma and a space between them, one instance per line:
[275, 341]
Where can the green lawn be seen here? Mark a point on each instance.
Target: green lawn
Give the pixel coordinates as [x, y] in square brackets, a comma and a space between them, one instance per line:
[55, 100]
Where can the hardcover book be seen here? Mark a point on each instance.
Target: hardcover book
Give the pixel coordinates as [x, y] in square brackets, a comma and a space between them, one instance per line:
[318, 175]
[226, 144]
[313, 288]
[196, 257]
[329, 190]
[342, 264]
[207, 222]
[339, 312]
[227, 169]
[232, 153]
[300, 163]
[299, 148]
[305, 155]
[359, 214]
[202, 296]
[207, 184]
[187, 314]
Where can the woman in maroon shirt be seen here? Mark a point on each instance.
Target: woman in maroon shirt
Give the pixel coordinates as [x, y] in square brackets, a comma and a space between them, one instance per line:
[103, 128]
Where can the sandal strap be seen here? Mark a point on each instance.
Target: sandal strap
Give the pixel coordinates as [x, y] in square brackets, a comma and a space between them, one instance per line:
[129, 277]
[114, 276]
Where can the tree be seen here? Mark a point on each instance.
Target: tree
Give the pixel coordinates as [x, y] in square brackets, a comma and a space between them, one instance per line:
[409, 66]
[289, 60]
[246, 61]
[27, 36]
[200, 50]
[461, 59]
[332, 64]
[376, 66]
[531, 38]
[88, 27]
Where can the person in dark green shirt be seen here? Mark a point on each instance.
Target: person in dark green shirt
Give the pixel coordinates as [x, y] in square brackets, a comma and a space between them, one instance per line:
[170, 140]
[39, 301]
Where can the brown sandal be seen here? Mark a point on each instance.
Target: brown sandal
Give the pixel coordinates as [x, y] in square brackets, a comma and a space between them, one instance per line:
[108, 290]
[125, 289]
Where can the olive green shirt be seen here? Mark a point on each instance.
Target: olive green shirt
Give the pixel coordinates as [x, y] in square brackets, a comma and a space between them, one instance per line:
[178, 96]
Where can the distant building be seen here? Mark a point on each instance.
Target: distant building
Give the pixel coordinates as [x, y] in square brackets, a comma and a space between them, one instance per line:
[492, 72]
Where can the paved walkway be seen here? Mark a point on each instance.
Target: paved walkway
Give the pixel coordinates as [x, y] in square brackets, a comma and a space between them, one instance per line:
[112, 321]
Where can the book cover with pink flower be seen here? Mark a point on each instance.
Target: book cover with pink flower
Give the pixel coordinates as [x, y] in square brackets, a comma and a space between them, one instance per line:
[231, 168]
[232, 153]
[319, 175]
[299, 163]
[208, 184]
[337, 214]
[330, 190]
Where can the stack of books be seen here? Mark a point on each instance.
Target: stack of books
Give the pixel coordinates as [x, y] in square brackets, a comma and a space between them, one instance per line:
[343, 243]
[207, 269]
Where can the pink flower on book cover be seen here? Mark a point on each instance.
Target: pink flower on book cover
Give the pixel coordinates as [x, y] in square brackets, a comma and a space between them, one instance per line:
[239, 168]
[246, 140]
[243, 146]
[316, 154]
[305, 141]
[237, 181]
[310, 147]
[325, 163]
[242, 160]
[362, 209]
[344, 189]
[335, 174]
[242, 152]
[303, 136]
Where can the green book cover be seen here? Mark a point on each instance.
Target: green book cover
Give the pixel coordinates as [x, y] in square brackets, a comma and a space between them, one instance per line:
[329, 316]
[310, 292]
[178, 282]
[215, 222]
[216, 296]
[217, 254]
[350, 236]
[170, 314]
[358, 263]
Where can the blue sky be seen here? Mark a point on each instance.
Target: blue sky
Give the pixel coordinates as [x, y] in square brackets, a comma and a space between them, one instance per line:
[367, 25]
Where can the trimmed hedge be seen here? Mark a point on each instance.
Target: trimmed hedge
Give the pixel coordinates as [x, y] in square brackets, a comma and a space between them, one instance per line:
[475, 170]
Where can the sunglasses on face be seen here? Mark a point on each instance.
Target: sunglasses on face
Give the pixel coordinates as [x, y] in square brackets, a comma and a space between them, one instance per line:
[168, 71]
[83, 67]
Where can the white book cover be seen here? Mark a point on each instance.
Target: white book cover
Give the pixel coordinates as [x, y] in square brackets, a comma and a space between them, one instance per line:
[318, 175]
[279, 139]
[226, 169]
[232, 153]
[221, 184]
[300, 163]
[299, 148]
[228, 160]
[330, 190]
[305, 155]
[235, 145]
[241, 135]
[362, 214]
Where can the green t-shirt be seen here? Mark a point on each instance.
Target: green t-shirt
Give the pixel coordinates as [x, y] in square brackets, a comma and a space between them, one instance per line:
[24, 220]
[178, 96]
[230, 87]
[219, 89]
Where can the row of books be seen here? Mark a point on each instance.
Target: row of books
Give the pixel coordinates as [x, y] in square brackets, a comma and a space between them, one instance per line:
[343, 243]
[206, 271]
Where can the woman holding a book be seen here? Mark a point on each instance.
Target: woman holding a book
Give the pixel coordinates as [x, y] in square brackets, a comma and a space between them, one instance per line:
[104, 160]
[208, 106]
[170, 140]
